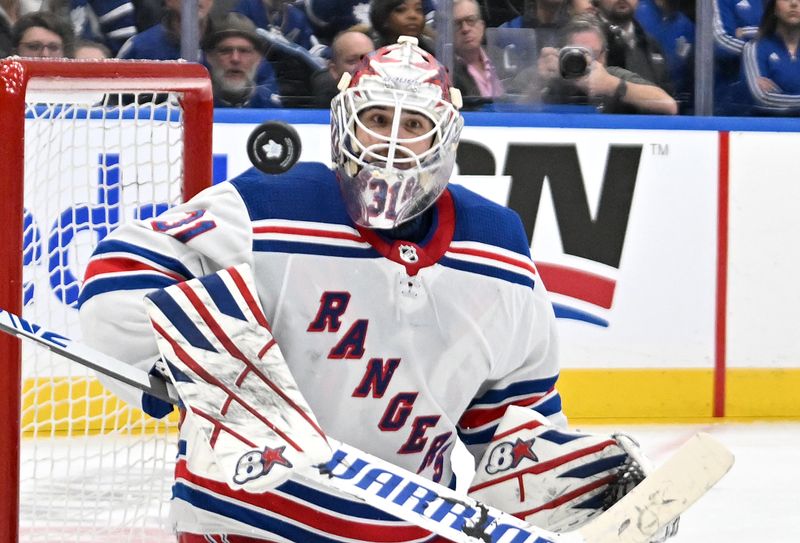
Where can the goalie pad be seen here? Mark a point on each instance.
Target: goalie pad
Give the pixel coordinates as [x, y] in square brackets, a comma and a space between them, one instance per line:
[550, 477]
[233, 381]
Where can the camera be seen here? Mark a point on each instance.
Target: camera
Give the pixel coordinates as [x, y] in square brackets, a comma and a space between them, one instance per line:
[573, 62]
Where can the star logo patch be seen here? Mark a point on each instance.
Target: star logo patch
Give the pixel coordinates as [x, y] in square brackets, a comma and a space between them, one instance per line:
[271, 457]
[507, 455]
[256, 463]
[522, 449]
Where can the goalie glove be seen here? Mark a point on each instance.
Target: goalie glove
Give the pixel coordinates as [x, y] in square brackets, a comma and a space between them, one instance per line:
[554, 478]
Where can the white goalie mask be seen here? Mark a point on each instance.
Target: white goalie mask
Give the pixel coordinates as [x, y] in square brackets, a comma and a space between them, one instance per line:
[395, 129]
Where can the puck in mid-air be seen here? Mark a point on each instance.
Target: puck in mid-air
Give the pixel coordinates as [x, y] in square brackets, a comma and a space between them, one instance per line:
[273, 147]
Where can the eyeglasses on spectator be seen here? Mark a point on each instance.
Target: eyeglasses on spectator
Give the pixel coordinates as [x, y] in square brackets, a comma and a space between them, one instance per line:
[469, 21]
[227, 51]
[38, 47]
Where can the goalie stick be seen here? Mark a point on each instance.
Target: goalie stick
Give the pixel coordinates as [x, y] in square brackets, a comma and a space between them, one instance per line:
[663, 495]
[86, 356]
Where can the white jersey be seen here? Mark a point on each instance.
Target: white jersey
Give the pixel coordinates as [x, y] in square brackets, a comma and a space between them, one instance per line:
[400, 348]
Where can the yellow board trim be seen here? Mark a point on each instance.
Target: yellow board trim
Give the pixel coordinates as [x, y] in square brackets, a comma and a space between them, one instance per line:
[763, 393]
[636, 393]
[76, 406]
[80, 406]
[668, 395]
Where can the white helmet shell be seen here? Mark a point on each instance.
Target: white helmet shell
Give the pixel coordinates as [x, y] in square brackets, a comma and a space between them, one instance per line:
[383, 180]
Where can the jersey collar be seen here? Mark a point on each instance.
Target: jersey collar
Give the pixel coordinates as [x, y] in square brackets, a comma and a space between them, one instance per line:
[415, 256]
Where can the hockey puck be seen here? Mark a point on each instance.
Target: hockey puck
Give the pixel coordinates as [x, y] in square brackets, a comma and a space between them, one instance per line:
[273, 147]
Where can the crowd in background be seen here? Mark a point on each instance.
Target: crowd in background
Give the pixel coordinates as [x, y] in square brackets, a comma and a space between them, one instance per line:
[613, 56]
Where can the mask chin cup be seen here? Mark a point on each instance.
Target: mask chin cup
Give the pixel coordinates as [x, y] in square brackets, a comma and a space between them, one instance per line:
[379, 197]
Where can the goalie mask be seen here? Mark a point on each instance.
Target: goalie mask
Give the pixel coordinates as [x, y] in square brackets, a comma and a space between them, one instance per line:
[395, 128]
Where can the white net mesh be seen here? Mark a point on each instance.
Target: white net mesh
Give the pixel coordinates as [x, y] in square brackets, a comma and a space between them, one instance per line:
[91, 469]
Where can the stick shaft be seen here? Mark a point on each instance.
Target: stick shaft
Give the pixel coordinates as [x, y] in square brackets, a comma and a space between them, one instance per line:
[88, 357]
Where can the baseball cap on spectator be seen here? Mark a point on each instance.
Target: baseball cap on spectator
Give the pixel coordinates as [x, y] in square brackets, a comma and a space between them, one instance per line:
[233, 24]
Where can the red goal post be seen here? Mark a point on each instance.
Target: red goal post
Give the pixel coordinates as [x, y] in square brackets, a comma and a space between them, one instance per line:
[137, 134]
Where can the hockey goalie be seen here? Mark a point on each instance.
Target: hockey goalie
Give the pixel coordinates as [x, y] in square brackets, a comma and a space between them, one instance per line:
[408, 314]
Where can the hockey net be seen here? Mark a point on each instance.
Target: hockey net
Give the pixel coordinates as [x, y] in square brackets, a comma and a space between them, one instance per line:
[104, 142]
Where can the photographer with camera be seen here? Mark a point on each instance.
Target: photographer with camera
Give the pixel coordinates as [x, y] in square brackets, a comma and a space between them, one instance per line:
[629, 46]
[577, 74]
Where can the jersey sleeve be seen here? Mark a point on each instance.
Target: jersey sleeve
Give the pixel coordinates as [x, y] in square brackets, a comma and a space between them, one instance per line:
[755, 65]
[726, 21]
[527, 378]
[210, 232]
[127, 50]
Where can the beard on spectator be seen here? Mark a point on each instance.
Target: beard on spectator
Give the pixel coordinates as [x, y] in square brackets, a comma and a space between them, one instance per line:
[234, 84]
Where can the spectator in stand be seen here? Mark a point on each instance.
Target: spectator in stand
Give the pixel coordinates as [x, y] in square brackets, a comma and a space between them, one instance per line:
[43, 34]
[611, 88]
[284, 17]
[294, 49]
[770, 70]
[393, 18]
[580, 7]
[311, 24]
[735, 22]
[347, 50]
[91, 50]
[521, 40]
[674, 32]
[265, 14]
[163, 41]
[546, 17]
[629, 46]
[331, 17]
[113, 22]
[9, 13]
[293, 66]
[234, 51]
[298, 61]
[498, 12]
[473, 72]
